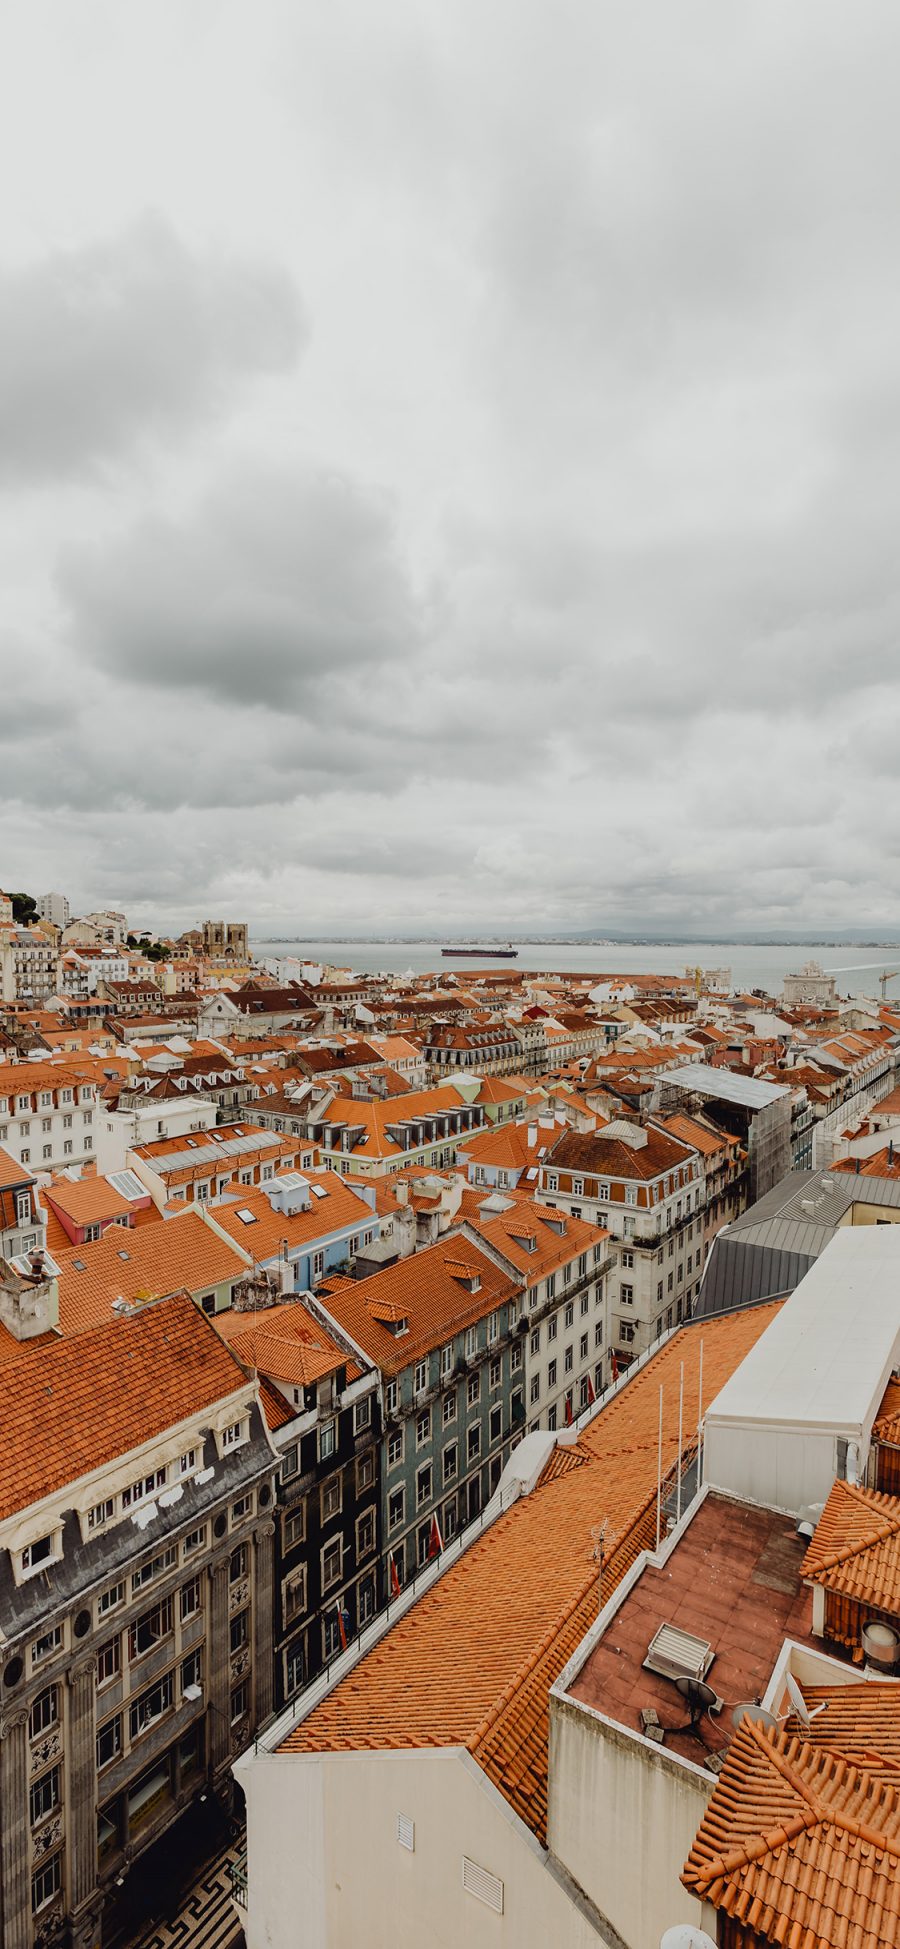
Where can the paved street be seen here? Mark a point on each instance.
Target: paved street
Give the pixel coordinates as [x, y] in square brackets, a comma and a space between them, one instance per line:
[206, 1919]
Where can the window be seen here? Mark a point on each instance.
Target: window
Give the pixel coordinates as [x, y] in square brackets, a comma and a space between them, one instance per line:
[240, 1702]
[669, 1283]
[627, 1260]
[331, 1498]
[366, 1601]
[446, 1360]
[194, 1540]
[150, 1629]
[327, 1434]
[395, 1448]
[536, 1340]
[190, 1596]
[598, 1334]
[151, 1705]
[109, 1600]
[551, 1285]
[495, 1374]
[626, 1332]
[390, 1398]
[191, 1671]
[331, 1635]
[90, 1231]
[551, 1419]
[568, 1360]
[332, 1562]
[631, 1194]
[46, 1883]
[187, 1462]
[146, 1486]
[450, 1462]
[659, 1292]
[448, 1412]
[423, 1485]
[551, 1374]
[154, 1568]
[626, 1295]
[294, 1669]
[585, 1301]
[569, 1315]
[552, 1325]
[496, 1422]
[44, 1796]
[290, 1462]
[67, 1123]
[239, 1631]
[44, 1712]
[396, 1507]
[473, 1389]
[473, 1442]
[362, 1414]
[294, 1594]
[471, 1341]
[493, 1328]
[109, 1661]
[552, 1181]
[515, 1357]
[42, 1550]
[233, 1435]
[423, 1427]
[365, 1470]
[294, 1525]
[535, 1389]
[365, 1533]
[583, 1347]
[67, 1146]
[421, 1377]
[44, 1647]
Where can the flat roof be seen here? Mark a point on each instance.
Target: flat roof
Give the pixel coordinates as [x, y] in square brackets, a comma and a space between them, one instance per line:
[825, 1358]
[733, 1580]
[708, 1081]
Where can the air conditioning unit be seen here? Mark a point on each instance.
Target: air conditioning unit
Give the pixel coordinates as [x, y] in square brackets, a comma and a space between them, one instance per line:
[678, 1654]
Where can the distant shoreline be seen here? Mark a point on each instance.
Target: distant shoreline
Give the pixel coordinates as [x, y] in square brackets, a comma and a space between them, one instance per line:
[555, 940]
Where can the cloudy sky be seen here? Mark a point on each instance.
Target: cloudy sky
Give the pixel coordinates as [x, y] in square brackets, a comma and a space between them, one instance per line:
[449, 462]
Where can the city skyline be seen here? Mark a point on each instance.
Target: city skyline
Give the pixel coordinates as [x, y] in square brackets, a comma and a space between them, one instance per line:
[464, 498]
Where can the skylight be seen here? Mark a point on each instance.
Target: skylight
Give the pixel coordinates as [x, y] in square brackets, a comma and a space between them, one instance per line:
[318, 1190]
[246, 1217]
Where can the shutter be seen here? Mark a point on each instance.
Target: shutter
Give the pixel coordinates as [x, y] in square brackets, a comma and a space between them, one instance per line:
[487, 1887]
[406, 1832]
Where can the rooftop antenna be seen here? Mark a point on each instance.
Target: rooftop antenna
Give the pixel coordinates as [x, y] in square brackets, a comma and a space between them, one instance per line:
[598, 1534]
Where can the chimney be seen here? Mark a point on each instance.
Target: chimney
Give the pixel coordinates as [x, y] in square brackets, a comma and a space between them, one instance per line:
[285, 1269]
[29, 1303]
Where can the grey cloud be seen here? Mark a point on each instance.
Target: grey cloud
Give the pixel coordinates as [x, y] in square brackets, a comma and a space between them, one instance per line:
[278, 584]
[133, 337]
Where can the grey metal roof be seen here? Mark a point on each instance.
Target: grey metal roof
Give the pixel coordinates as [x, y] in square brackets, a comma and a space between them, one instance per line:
[768, 1249]
[707, 1081]
[211, 1153]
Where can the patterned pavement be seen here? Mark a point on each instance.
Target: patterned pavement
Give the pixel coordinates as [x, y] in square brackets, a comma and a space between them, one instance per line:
[206, 1919]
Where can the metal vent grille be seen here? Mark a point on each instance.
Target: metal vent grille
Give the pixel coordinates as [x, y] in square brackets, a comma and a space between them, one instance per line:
[676, 1654]
[488, 1888]
[406, 1832]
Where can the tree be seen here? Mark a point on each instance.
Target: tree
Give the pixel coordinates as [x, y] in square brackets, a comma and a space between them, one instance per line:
[24, 908]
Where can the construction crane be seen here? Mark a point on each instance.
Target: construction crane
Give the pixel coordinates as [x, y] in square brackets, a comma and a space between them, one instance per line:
[868, 967]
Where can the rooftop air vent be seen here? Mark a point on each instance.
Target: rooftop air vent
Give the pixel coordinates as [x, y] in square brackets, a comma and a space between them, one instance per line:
[676, 1654]
[881, 1644]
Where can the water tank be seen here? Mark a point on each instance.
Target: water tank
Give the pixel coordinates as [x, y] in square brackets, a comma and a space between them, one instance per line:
[686, 1936]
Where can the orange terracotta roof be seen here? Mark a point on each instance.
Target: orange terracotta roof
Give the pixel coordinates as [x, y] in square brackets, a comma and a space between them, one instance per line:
[472, 1663]
[285, 1343]
[856, 1547]
[86, 1199]
[96, 1397]
[339, 1207]
[529, 1235]
[887, 1422]
[429, 1290]
[801, 1846]
[181, 1254]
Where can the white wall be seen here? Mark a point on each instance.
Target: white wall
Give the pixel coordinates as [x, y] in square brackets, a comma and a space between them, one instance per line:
[326, 1868]
[622, 1819]
[781, 1468]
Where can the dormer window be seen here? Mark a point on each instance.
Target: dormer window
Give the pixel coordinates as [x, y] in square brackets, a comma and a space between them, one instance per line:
[23, 1207]
[43, 1551]
[232, 1436]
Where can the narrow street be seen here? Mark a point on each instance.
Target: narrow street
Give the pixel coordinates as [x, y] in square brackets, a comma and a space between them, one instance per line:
[206, 1918]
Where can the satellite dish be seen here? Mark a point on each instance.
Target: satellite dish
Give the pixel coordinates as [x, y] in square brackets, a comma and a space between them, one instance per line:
[700, 1698]
[686, 1936]
[799, 1706]
[757, 1715]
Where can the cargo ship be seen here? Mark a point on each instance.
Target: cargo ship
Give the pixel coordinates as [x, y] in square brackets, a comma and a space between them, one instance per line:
[484, 953]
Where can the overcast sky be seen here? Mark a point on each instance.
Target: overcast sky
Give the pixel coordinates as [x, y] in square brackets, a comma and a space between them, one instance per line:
[449, 462]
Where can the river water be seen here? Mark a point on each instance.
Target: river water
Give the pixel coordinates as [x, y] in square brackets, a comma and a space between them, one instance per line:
[751, 967]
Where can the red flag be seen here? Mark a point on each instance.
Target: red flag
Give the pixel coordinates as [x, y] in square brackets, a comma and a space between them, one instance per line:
[395, 1580]
[615, 1365]
[591, 1395]
[435, 1540]
[342, 1626]
[568, 1410]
